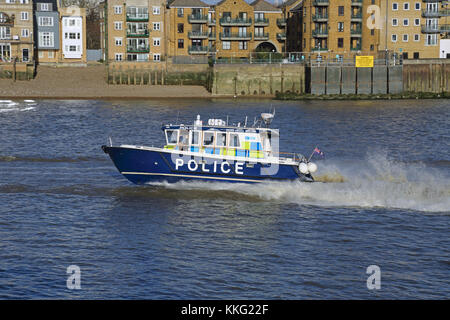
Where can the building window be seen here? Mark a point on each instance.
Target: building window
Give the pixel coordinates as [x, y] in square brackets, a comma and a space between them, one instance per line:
[118, 42]
[45, 21]
[417, 37]
[46, 39]
[417, 5]
[41, 54]
[156, 10]
[394, 38]
[117, 25]
[341, 10]
[372, 47]
[180, 12]
[180, 28]
[394, 22]
[50, 54]
[406, 6]
[25, 33]
[372, 32]
[395, 6]
[226, 45]
[180, 43]
[117, 9]
[156, 26]
[44, 6]
[24, 16]
[340, 26]
[119, 56]
[156, 57]
[243, 45]
[340, 42]
[156, 42]
[417, 22]
[405, 38]
[431, 40]
[23, 1]
[416, 55]
[406, 22]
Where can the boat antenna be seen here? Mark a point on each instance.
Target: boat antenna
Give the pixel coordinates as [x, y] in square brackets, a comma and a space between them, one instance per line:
[245, 121]
[178, 115]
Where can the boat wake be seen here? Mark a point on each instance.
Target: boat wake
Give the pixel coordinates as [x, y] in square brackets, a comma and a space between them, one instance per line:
[13, 106]
[376, 182]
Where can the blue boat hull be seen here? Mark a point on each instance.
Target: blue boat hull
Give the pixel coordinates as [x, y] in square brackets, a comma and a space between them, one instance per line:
[142, 166]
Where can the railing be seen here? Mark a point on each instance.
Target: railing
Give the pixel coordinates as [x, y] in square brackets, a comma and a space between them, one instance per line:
[211, 22]
[261, 21]
[235, 36]
[137, 34]
[431, 13]
[357, 2]
[281, 22]
[317, 33]
[212, 36]
[445, 27]
[137, 17]
[281, 36]
[320, 16]
[138, 49]
[263, 36]
[357, 31]
[198, 49]
[197, 18]
[225, 21]
[198, 34]
[430, 28]
[321, 2]
[319, 49]
[357, 15]
[356, 48]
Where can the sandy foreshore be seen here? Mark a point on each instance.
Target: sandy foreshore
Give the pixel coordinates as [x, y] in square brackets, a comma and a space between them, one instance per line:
[88, 83]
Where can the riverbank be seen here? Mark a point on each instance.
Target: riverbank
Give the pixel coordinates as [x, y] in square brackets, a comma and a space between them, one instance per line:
[404, 95]
[89, 83]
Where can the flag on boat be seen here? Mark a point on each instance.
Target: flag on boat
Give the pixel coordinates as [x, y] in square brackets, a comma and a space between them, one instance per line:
[316, 150]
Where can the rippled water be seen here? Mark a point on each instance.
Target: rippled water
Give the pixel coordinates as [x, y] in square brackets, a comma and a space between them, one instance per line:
[383, 199]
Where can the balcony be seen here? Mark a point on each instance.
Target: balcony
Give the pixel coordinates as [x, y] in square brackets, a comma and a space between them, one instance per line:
[198, 18]
[235, 36]
[432, 1]
[137, 34]
[5, 20]
[357, 3]
[227, 21]
[320, 33]
[211, 22]
[431, 13]
[198, 49]
[356, 32]
[356, 16]
[261, 22]
[320, 17]
[281, 22]
[281, 36]
[198, 34]
[261, 36]
[212, 36]
[356, 48]
[319, 49]
[137, 17]
[318, 3]
[430, 29]
[138, 49]
[445, 28]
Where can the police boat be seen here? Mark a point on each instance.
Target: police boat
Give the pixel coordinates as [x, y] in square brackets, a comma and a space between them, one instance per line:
[214, 151]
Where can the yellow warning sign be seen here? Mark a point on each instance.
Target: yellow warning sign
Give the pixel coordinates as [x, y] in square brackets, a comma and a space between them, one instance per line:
[364, 61]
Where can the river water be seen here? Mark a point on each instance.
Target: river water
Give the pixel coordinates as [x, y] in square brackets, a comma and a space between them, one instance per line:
[383, 199]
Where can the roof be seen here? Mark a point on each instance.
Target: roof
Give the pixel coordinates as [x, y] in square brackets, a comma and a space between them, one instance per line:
[188, 4]
[289, 3]
[262, 5]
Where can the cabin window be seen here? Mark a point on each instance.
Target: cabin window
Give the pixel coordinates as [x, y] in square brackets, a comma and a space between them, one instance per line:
[221, 140]
[208, 138]
[172, 136]
[195, 137]
[234, 140]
